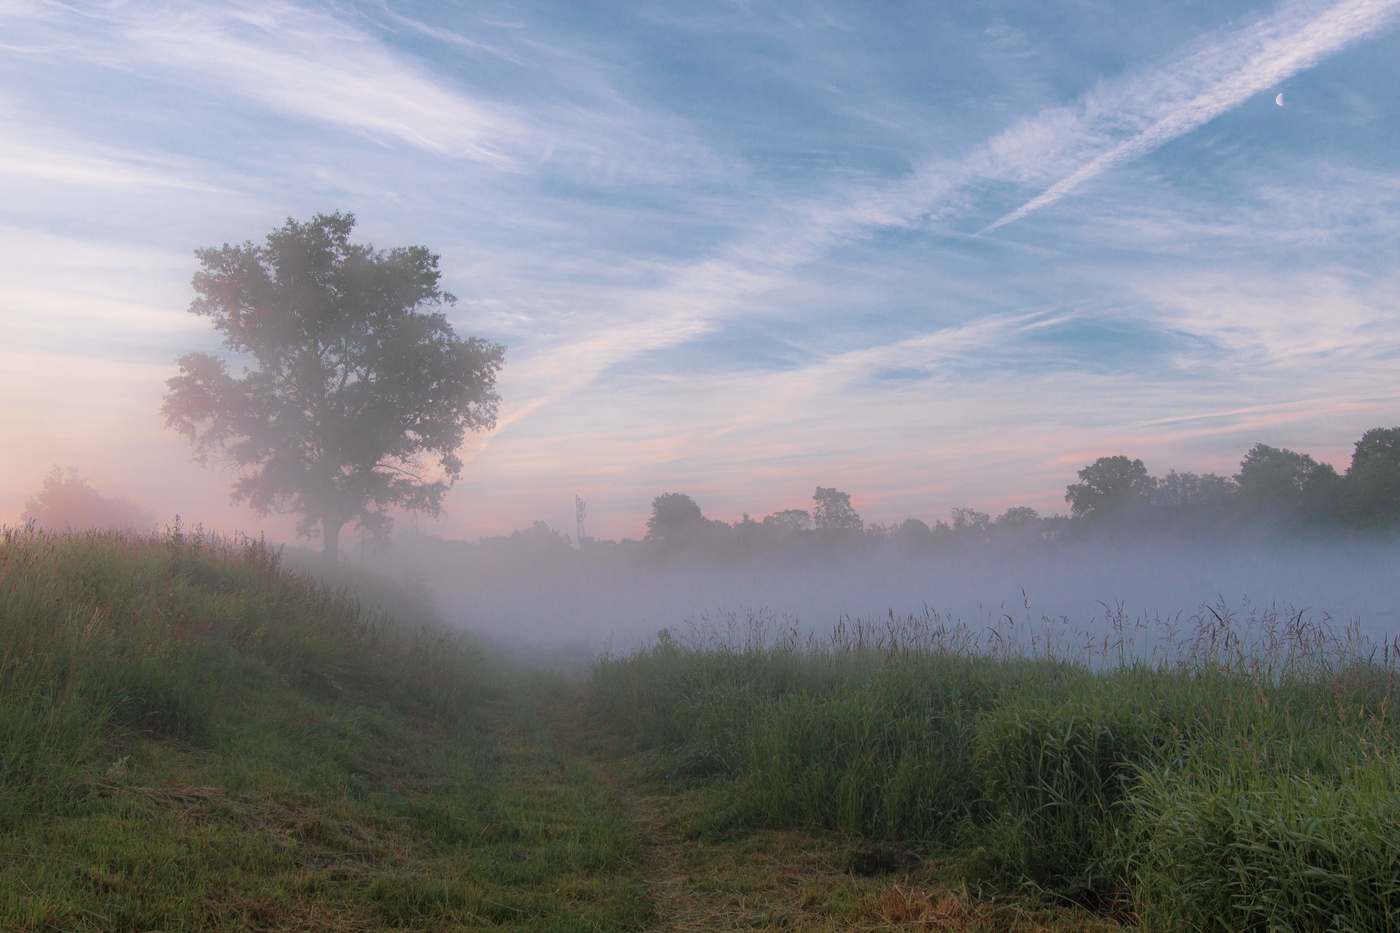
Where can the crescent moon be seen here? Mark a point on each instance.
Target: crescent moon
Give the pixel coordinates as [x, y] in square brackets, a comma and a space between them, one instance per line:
[1279, 99]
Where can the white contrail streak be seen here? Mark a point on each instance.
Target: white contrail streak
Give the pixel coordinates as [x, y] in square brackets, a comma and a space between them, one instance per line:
[1161, 104]
[1282, 54]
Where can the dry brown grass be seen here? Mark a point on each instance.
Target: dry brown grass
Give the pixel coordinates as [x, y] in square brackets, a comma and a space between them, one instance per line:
[906, 906]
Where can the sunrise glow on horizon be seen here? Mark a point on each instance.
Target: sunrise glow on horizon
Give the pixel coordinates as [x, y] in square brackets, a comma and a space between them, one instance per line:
[932, 255]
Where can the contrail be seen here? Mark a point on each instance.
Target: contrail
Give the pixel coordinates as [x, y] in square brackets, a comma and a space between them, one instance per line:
[1279, 58]
[1165, 102]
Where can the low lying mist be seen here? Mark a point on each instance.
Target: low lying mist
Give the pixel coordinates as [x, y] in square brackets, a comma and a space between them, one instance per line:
[1286, 538]
[544, 595]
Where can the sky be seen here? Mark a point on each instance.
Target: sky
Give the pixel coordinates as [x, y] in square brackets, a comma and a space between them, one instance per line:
[932, 254]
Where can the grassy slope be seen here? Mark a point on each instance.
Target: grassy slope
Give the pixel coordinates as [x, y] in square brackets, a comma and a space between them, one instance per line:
[192, 739]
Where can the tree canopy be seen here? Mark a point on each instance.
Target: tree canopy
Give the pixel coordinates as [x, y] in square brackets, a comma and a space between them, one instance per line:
[832, 512]
[1284, 485]
[675, 520]
[1373, 480]
[1018, 516]
[355, 393]
[789, 520]
[1110, 486]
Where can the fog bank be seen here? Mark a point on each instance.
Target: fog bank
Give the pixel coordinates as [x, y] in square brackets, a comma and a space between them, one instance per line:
[560, 596]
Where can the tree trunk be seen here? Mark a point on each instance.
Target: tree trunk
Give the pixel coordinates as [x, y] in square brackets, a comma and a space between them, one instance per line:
[330, 535]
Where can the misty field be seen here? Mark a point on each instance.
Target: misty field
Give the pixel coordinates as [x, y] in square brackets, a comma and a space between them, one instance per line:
[192, 737]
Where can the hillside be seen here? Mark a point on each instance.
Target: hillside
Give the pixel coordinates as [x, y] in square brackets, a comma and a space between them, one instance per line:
[192, 738]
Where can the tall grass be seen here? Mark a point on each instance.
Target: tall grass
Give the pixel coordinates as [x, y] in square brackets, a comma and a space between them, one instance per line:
[106, 635]
[194, 738]
[1175, 767]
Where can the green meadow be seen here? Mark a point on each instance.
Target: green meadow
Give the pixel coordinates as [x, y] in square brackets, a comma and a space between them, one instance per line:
[193, 737]
[1240, 774]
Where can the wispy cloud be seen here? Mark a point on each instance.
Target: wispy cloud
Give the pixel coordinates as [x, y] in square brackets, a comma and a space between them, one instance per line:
[341, 70]
[311, 65]
[1215, 79]
[1281, 322]
[453, 38]
[90, 300]
[1121, 119]
[65, 163]
[1319, 204]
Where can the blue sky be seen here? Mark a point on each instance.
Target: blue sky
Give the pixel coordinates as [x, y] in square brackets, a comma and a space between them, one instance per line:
[934, 254]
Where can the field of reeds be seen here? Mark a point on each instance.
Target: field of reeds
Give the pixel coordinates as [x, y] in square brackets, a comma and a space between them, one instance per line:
[1235, 770]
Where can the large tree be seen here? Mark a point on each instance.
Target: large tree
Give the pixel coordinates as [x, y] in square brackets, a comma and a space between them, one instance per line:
[832, 514]
[675, 520]
[1281, 485]
[354, 393]
[1373, 479]
[1110, 487]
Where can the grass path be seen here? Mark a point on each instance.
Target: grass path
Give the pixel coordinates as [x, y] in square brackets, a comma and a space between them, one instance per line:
[703, 872]
[662, 879]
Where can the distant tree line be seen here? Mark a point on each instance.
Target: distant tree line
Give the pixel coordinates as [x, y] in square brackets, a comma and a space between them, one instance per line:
[1276, 492]
[1275, 488]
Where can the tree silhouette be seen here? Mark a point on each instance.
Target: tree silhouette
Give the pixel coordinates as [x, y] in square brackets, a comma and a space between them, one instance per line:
[353, 378]
[789, 521]
[1283, 485]
[970, 521]
[1018, 516]
[675, 520]
[912, 532]
[1373, 480]
[1188, 492]
[65, 502]
[1109, 487]
[833, 513]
